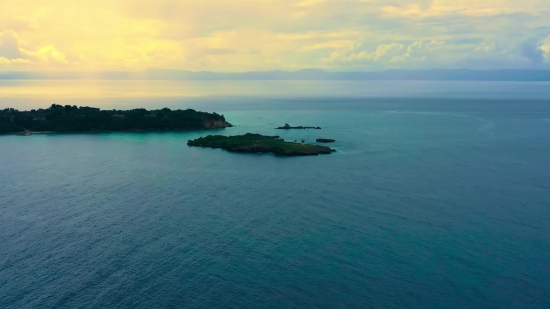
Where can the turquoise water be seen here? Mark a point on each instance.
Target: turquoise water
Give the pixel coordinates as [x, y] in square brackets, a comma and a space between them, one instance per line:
[428, 203]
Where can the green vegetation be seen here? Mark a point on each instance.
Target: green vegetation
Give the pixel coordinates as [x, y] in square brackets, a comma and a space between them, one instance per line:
[68, 118]
[256, 143]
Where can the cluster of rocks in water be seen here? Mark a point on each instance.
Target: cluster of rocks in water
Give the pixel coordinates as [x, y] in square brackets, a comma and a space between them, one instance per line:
[288, 127]
[325, 140]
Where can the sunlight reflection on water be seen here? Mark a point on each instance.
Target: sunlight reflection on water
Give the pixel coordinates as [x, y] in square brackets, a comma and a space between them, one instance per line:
[30, 94]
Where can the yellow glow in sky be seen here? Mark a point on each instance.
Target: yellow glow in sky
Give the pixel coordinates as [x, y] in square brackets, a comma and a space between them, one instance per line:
[246, 35]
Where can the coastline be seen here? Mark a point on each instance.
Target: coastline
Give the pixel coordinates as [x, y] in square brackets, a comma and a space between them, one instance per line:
[58, 119]
[105, 132]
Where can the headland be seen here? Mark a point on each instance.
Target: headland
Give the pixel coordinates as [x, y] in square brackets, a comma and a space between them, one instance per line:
[68, 119]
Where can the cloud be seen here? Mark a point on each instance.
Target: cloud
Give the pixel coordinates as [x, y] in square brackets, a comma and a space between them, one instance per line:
[46, 54]
[241, 35]
[533, 52]
[429, 8]
[545, 48]
[12, 51]
[9, 45]
[343, 44]
[421, 50]
[382, 53]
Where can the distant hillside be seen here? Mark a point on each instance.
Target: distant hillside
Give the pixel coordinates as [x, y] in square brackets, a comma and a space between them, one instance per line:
[307, 74]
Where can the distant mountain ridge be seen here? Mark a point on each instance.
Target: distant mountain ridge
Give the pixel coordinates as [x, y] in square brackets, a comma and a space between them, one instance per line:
[306, 74]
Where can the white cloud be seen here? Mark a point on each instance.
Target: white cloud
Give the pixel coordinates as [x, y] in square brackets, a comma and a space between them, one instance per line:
[12, 51]
[349, 55]
[46, 54]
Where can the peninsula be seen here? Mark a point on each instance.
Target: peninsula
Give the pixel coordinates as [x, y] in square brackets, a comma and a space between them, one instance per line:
[288, 127]
[64, 119]
[256, 143]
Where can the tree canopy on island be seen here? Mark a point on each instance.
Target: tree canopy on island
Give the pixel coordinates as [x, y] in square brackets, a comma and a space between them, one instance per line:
[58, 118]
[256, 143]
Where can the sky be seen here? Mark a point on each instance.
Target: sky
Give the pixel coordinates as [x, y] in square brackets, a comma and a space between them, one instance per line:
[263, 35]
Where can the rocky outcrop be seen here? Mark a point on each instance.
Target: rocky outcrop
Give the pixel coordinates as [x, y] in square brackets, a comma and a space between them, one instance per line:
[216, 124]
[288, 127]
[325, 140]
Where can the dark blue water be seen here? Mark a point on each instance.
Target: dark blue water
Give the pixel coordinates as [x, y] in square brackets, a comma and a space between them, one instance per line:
[427, 204]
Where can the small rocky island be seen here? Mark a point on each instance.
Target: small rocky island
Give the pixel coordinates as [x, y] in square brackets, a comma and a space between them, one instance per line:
[62, 119]
[256, 143]
[325, 140]
[288, 127]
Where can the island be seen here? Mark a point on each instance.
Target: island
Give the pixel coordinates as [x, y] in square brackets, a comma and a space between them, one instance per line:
[325, 140]
[64, 119]
[288, 127]
[256, 143]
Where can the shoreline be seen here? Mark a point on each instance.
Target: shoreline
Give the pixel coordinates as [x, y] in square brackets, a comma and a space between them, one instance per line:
[99, 132]
[58, 119]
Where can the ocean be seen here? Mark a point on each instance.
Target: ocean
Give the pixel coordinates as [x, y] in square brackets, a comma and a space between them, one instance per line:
[438, 197]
